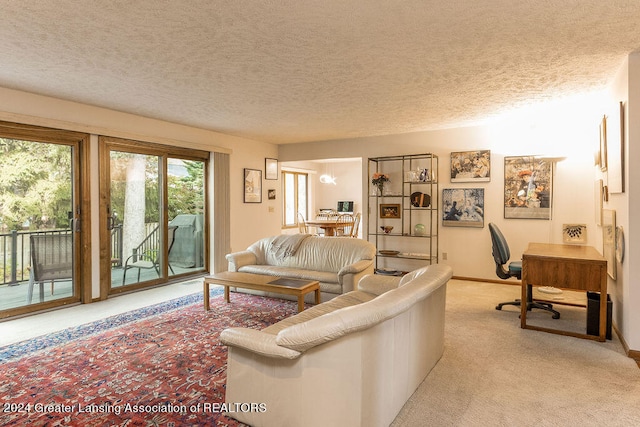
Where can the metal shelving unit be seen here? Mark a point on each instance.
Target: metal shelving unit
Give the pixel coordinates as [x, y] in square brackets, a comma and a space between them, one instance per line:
[409, 204]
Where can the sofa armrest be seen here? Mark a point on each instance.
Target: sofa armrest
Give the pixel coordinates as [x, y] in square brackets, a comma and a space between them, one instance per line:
[355, 268]
[240, 259]
[256, 342]
[378, 284]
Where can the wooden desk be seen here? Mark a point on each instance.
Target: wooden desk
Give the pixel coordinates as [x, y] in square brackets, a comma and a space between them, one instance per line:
[329, 225]
[573, 267]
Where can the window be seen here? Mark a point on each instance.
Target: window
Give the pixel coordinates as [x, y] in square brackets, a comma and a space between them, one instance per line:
[295, 191]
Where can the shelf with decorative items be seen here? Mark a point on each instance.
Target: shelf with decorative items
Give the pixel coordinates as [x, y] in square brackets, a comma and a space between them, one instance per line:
[403, 211]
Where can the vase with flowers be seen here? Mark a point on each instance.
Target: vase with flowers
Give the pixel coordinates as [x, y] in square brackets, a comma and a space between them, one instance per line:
[378, 180]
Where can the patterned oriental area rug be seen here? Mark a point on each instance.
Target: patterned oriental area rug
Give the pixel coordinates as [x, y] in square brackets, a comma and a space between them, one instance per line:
[158, 366]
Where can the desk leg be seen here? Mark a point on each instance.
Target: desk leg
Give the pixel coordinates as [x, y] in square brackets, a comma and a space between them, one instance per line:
[523, 305]
[603, 316]
[206, 296]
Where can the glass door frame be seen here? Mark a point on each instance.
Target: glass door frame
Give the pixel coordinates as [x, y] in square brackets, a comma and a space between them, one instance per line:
[81, 206]
[164, 152]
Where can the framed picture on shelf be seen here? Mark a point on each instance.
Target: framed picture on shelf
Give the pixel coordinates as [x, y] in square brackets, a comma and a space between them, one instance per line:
[527, 187]
[463, 207]
[389, 210]
[252, 186]
[270, 169]
[471, 166]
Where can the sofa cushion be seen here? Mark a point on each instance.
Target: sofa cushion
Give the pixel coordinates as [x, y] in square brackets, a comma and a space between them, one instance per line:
[345, 300]
[316, 253]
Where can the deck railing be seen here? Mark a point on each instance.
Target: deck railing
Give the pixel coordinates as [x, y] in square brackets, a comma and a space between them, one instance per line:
[15, 253]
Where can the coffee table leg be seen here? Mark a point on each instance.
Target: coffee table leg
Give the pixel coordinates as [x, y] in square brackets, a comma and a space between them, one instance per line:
[226, 293]
[317, 296]
[300, 303]
[206, 296]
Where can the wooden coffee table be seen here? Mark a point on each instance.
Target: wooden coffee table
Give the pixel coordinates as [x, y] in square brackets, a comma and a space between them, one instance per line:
[262, 282]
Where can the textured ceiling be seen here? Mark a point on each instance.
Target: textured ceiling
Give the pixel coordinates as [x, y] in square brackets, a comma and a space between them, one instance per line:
[304, 70]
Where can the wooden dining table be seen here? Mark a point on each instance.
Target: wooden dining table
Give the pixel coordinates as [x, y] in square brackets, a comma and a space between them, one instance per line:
[329, 225]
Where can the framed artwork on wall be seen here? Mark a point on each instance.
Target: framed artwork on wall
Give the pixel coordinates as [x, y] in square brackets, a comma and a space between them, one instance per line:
[252, 186]
[463, 207]
[471, 166]
[270, 169]
[527, 187]
[609, 240]
[603, 144]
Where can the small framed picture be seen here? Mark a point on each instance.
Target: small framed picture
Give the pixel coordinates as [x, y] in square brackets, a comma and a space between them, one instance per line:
[271, 193]
[271, 169]
[574, 233]
[389, 211]
[252, 186]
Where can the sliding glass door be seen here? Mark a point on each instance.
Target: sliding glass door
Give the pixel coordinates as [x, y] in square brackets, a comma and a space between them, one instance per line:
[39, 218]
[153, 226]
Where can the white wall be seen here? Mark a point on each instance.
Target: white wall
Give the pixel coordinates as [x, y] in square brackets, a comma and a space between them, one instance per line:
[568, 128]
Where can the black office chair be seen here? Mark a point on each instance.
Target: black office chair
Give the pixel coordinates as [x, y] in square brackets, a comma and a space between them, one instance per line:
[501, 255]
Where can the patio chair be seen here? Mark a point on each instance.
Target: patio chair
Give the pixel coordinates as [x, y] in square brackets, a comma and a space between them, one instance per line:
[148, 260]
[51, 260]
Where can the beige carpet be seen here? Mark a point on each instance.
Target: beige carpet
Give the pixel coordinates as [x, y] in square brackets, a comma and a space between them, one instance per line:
[493, 373]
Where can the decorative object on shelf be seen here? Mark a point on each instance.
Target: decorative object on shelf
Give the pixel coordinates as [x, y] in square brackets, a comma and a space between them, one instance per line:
[270, 169]
[619, 244]
[471, 166]
[423, 175]
[463, 207]
[527, 187]
[386, 228]
[574, 233]
[388, 252]
[420, 200]
[252, 186]
[378, 180]
[419, 230]
[389, 210]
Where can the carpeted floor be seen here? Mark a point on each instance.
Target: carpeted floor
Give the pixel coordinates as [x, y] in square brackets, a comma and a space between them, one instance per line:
[493, 373]
[154, 366]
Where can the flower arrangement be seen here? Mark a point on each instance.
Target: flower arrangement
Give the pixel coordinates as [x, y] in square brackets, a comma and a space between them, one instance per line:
[379, 179]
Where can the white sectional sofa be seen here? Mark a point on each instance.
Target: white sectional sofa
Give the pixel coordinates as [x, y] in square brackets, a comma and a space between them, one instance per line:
[337, 263]
[351, 361]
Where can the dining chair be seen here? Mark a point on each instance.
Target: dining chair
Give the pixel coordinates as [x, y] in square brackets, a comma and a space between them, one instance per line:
[302, 224]
[345, 225]
[356, 224]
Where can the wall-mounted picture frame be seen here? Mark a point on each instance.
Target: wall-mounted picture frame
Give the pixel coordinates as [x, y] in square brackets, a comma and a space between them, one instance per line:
[471, 166]
[463, 207]
[604, 163]
[599, 198]
[574, 233]
[389, 210]
[252, 185]
[615, 156]
[528, 187]
[271, 169]
[609, 240]
[271, 194]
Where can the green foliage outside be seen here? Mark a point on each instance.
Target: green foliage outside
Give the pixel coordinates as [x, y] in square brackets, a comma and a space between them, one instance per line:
[35, 189]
